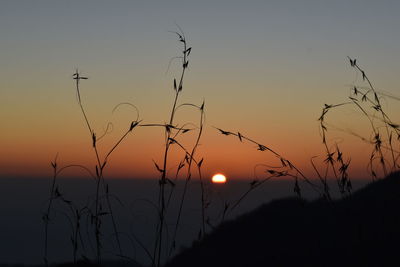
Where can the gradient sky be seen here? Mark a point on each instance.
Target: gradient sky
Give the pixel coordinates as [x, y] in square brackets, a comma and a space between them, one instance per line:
[264, 68]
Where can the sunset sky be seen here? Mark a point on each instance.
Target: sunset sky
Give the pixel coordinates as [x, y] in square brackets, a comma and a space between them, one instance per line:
[264, 68]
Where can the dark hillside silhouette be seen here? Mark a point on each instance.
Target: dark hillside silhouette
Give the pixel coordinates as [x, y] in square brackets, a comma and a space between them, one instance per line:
[360, 230]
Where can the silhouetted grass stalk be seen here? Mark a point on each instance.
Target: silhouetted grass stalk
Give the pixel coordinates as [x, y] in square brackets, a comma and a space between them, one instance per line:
[46, 216]
[54, 195]
[189, 173]
[286, 165]
[359, 97]
[100, 177]
[378, 107]
[164, 180]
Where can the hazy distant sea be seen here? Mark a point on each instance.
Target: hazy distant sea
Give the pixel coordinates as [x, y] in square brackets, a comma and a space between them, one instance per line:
[23, 201]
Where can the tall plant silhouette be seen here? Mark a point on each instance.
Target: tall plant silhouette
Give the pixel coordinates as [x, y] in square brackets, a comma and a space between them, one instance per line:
[172, 132]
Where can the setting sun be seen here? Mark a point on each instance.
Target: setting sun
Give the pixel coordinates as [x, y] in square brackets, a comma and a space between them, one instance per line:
[219, 178]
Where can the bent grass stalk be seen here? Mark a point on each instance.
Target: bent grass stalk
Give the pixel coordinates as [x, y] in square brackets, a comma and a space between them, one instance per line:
[54, 195]
[359, 98]
[284, 170]
[378, 107]
[189, 172]
[99, 167]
